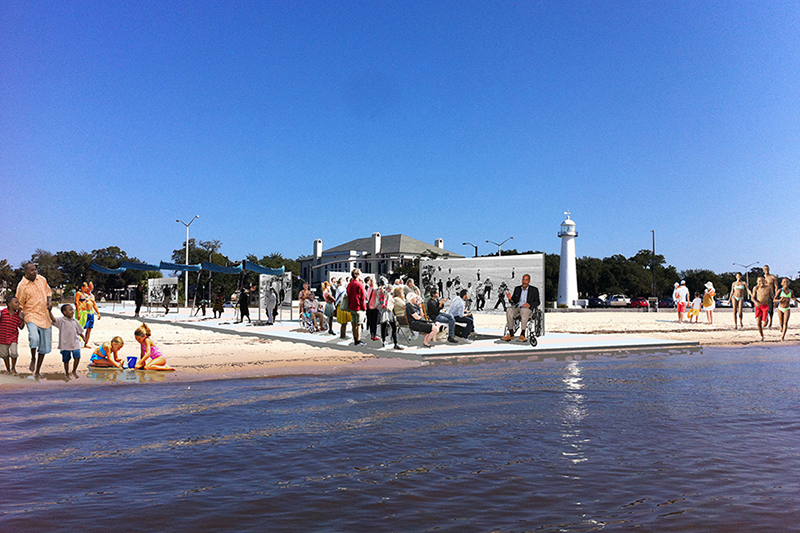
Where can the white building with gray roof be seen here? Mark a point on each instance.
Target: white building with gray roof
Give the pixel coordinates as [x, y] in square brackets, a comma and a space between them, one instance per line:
[378, 255]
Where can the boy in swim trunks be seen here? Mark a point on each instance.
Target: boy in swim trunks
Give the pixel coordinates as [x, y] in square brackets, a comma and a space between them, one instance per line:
[12, 319]
[761, 297]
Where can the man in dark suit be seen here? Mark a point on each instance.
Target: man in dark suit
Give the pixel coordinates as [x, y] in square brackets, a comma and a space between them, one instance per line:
[524, 300]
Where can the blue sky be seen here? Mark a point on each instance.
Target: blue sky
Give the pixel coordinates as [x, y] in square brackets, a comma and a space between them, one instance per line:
[282, 122]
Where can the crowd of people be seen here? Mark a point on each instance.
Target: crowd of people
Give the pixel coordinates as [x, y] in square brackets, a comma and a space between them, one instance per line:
[31, 308]
[367, 304]
[763, 296]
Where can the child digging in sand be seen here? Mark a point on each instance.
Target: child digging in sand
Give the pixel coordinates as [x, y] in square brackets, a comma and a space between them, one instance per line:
[12, 319]
[151, 357]
[107, 355]
[70, 333]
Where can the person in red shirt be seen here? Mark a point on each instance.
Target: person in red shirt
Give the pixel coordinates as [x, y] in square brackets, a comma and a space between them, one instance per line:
[357, 301]
[12, 319]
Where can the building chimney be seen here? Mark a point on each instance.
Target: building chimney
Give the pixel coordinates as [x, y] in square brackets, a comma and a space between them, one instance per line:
[376, 243]
[439, 243]
[317, 248]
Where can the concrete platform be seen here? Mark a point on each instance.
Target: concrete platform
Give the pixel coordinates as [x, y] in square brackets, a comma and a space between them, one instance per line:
[487, 343]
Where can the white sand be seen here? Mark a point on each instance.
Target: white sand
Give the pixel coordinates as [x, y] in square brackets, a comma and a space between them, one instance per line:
[200, 355]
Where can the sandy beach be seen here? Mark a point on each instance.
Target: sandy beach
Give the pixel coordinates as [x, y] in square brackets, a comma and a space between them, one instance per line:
[200, 355]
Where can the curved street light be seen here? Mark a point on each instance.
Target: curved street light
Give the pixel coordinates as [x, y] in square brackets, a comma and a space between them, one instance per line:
[473, 245]
[747, 270]
[186, 282]
[499, 244]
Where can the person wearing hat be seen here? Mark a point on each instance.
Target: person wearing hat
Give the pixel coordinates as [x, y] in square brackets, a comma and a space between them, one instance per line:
[708, 302]
[681, 299]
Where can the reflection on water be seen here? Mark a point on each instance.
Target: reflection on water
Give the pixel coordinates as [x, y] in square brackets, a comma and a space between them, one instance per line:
[125, 376]
[672, 441]
[574, 411]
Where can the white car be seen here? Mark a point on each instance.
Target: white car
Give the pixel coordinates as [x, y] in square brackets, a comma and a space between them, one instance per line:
[618, 300]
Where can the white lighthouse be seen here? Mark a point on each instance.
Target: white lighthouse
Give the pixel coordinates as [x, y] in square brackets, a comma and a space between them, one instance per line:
[568, 274]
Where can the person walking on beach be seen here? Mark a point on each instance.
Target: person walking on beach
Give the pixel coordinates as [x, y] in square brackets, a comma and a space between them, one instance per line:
[70, 334]
[12, 319]
[167, 291]
[682, 300]
[138, 298]
[86, 310]
[357, 301]
[739, 290]
[34, 297]
[219, 306]
[761, 297]
[772, 282]
[708, 302]
[784, 297]
[244, 304]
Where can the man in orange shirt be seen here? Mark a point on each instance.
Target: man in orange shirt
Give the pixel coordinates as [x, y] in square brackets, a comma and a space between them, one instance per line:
[34, 296]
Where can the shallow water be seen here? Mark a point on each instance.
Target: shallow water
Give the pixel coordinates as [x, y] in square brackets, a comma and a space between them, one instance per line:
[702, 441]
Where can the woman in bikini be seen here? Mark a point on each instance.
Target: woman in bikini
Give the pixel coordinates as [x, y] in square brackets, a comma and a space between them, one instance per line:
[107, 355]
[151, 357]
[739, 290]
[784, 296]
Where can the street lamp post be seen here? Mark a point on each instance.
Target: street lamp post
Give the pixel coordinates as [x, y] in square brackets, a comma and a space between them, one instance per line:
[747, 270]
[186, 279]
[473, 245]
[499, 244]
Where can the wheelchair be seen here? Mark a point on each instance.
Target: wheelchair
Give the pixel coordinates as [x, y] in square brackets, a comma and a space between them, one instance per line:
[535, 327]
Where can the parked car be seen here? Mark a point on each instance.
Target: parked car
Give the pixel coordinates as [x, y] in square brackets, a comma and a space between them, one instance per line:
[748, 304]
[618, 300]
[639, 302]
[722, 302]
[666, 302]
[597, 303]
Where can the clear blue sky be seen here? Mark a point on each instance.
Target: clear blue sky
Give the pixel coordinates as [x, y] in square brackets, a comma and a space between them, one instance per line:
[281, 122]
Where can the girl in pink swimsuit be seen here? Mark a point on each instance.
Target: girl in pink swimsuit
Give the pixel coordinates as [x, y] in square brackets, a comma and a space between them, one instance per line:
[151, 357]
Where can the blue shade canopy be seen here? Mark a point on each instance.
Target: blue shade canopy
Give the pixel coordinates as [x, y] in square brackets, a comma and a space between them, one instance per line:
[176, 266]
[104, 270]
[221, 269]
[139, 266]
[255, 267]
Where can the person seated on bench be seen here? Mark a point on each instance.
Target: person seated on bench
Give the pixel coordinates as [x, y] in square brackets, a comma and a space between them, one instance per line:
[416, 320]
[435, 313]
[524, 300]
[460, 315]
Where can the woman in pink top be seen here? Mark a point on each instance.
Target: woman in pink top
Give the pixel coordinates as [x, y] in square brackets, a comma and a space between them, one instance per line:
[372, 309]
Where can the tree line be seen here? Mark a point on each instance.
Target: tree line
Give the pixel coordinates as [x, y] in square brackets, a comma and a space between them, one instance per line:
[616, 274]
[67, 270]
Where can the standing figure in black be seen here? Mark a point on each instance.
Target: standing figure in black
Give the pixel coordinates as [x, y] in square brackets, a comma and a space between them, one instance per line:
[244, 304]
[138, 298]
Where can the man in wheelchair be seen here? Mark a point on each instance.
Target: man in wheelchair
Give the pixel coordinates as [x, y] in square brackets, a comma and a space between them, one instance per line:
[524, 300]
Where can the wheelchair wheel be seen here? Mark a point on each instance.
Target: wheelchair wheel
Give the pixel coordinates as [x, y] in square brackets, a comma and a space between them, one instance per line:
[533, 341]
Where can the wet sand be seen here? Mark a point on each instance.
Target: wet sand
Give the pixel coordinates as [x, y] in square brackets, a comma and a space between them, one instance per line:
[200, 355]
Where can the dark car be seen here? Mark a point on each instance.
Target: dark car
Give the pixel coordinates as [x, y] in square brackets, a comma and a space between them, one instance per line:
[597, 303]
[666, 302]
[639, 302]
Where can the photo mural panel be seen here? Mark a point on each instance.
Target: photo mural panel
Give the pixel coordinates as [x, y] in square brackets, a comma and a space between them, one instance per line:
[486, 278]
[156, 287]
[283, 288]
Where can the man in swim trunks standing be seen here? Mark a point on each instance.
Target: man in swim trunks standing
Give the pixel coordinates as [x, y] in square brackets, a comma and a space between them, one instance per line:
[682, 300]
[772, 282]
[34, 297]
[761, 295]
